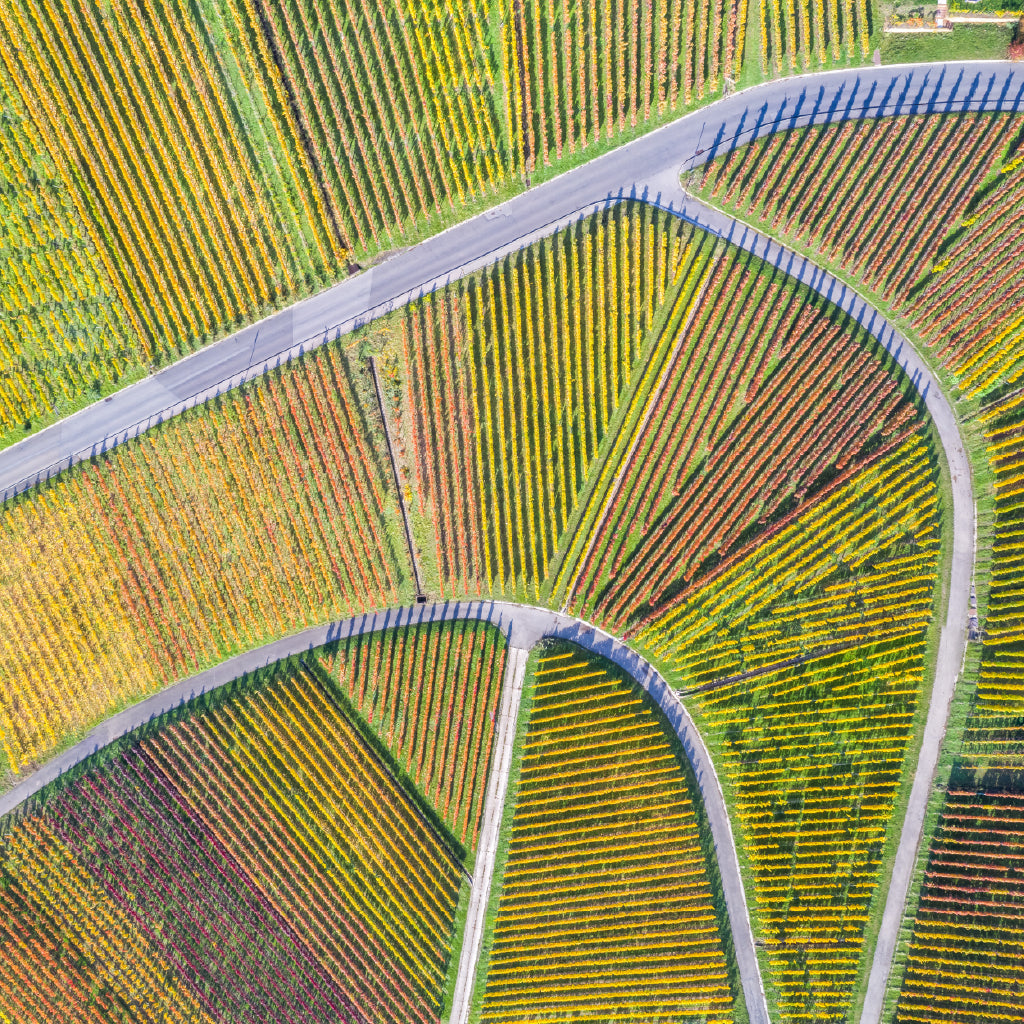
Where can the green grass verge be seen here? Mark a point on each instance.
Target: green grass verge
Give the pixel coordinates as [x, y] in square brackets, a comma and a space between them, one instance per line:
[965, 42]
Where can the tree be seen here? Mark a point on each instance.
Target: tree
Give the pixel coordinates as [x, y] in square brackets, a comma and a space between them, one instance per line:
[1016, 48]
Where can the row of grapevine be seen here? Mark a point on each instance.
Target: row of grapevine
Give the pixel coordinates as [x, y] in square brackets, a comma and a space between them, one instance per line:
[768, 395]
[267, 510]
[606, 911]
[164, 555]
[814, 755]
[966, 961]
[926, 237]
[969, 927]
[505, 387]
[804, 656]
[191, 179]
[254, 861]
[994, 739]
[798, 35]
[400, 104]
[283, 780]
[684, 303]
[157, 862]
[69, 951]
[431, 694]
[64, 330]
[970, 309]
[207, 162]
[858, 563]
[578, 74]
[939, 245]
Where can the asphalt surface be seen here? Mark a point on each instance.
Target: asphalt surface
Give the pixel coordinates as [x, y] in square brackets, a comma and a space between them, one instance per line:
[953, 636]
[646, 168]
[524, 627]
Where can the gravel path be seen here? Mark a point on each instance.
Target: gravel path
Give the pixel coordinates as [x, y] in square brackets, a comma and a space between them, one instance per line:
[487, 843]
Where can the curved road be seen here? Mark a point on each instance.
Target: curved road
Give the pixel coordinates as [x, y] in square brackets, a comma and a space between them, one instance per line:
[645, 168]
[524, 626]
[953, 636]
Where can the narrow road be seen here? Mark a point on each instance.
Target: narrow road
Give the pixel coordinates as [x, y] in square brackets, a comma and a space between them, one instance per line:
[487, 844]
[647, 168]
[953, 636]
[524, 626]
[638, 169]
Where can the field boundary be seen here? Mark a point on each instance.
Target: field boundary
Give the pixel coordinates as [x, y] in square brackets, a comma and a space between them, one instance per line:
[420, 595]
[525, 626]
[953, 636]
[818, 98]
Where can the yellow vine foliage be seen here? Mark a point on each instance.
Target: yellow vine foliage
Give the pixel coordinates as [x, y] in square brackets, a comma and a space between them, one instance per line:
[48, 880]
[248, 519]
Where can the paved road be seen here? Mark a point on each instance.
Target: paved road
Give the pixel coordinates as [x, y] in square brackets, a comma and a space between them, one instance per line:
[641, 168]
[487, 845]
[953, 636]
[524, 626]
[647, 168]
